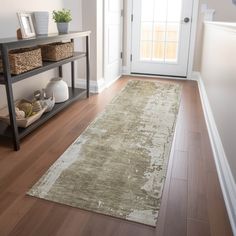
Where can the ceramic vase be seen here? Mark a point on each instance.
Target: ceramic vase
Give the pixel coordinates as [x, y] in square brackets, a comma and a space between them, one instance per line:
[41, 19]
[57, 88]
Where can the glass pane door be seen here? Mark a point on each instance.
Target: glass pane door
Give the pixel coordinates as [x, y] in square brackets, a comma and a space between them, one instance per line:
[160, 30]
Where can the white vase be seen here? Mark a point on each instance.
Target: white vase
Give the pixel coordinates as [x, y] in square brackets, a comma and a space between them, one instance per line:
[63, 27]
[41, 19]
[57, 88]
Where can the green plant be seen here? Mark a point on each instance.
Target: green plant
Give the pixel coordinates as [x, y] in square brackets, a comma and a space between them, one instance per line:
[62, 16]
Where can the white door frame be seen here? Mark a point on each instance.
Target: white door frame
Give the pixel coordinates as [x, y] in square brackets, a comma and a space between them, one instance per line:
[128, 39]
[105, 59]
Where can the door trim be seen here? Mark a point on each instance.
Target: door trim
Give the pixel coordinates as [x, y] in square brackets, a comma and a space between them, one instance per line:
[105, 59]
[128, 38]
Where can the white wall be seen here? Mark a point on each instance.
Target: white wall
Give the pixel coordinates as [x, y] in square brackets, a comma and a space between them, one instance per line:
[93, 20]
[224, 11]
[9, 24]
[8, 9]
[89, 23]
[100, 39]
[75, 25]
[218, 72]
[217, 88]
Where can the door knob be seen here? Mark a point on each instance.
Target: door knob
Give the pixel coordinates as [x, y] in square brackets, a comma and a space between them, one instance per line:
[186, 19]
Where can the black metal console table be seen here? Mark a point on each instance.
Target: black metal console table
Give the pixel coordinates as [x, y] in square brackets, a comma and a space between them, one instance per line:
[6, 79]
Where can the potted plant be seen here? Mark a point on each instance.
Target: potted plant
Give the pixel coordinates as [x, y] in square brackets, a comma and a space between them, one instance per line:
[62, 18]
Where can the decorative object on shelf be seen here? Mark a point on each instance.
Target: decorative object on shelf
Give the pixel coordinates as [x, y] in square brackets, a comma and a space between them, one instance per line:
[27, 107]
[57, 51]
[26, 25]
[41, 98]
[36, 106]
[22, 60]
[37, 95]
[19, 114]
[25, 114]
[58, 88]
[49, 103]
[41, 19]
[62, 18]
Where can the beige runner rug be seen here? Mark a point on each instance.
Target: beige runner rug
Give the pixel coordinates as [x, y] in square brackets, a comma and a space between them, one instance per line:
[118, 165]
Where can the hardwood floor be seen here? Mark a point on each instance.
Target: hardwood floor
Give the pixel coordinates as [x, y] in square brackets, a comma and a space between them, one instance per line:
[192, 202]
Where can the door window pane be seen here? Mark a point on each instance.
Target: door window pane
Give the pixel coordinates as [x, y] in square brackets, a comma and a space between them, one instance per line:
[160, 29]
[146, 31]
[171, 52]
[147, 10]
[160, 12]
[159, 51]
[172, 32]
[174, 10]
[146, 50]
[159, 32]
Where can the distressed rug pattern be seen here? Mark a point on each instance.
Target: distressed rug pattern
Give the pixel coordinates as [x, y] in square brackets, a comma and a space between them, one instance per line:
[118, 164]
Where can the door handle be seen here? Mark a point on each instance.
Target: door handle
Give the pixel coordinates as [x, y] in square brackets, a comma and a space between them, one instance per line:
[186, 20]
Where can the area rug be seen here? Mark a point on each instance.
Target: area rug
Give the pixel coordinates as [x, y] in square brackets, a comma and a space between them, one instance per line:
[118, 165]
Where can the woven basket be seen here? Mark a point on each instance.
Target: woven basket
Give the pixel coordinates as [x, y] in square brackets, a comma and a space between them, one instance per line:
[57, 51]
[22, 60]
[23, 122]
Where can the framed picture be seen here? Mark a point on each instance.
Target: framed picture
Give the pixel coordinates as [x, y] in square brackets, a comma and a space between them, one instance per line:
[26, 24]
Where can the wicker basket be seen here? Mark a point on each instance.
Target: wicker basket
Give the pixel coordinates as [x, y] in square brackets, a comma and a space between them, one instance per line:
[23, 122]
[57, 51]
[22, 60]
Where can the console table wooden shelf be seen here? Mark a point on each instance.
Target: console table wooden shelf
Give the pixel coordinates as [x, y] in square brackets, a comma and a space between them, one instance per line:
[6, 79]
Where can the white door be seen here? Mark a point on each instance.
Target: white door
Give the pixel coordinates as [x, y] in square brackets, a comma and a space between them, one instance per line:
[113, 40]
[161, 37]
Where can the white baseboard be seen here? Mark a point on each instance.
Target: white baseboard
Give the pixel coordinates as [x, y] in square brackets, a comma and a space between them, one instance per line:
[225, 175]
[195, 75]
[109, 83]
[95, 86]
[125, 70]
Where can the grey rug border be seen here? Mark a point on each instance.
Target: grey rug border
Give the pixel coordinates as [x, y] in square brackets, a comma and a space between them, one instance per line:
[91, 211]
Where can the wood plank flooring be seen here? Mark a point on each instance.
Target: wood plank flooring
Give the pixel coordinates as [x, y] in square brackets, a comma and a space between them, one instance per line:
[192, 202]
